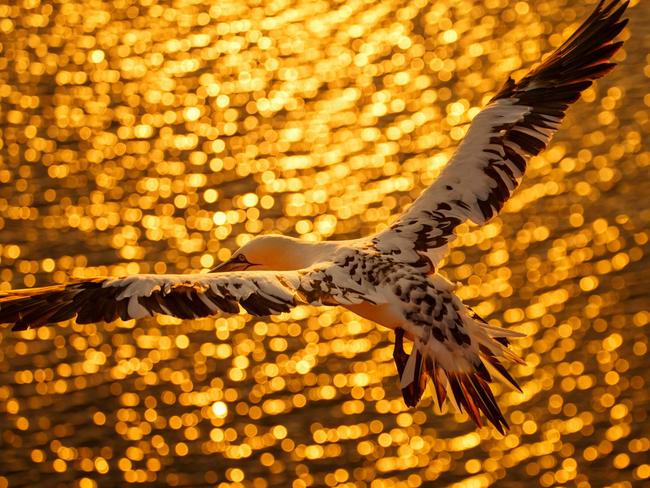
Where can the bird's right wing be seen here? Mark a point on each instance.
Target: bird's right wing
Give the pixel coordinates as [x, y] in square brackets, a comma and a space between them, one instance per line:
[517, 124]
[183, 296]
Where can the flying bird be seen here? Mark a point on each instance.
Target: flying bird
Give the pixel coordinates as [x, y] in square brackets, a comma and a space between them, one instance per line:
[390, 277]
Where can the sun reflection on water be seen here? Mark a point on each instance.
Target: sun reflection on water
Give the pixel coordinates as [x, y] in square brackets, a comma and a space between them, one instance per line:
[143, 137]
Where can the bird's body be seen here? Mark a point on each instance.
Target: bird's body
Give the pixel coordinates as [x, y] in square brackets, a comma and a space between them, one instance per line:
[390, 278]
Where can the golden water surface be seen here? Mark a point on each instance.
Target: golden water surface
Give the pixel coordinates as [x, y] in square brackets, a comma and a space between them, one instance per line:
[157, 136]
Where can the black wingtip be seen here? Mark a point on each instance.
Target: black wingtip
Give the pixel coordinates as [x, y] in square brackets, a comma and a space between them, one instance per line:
[584, 56]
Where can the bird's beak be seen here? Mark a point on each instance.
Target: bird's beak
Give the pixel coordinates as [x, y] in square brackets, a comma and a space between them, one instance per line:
[219, 268]
[231, 266]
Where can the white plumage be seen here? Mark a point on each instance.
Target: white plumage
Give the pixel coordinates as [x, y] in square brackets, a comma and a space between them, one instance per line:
[390, 277]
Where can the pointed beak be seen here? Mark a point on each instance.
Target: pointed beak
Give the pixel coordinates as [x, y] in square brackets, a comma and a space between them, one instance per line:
[231, 265]
[228, 266]
[219, 268]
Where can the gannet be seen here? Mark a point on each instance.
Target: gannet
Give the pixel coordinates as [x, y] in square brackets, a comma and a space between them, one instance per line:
[390, 277]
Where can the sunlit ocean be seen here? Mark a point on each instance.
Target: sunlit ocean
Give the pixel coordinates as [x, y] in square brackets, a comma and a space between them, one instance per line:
[156, 136]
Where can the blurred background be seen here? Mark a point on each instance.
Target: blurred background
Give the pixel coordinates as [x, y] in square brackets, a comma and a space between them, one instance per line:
[158, 136]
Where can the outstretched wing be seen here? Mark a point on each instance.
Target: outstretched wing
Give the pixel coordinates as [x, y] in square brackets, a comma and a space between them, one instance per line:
[183, 296]
[517, 124]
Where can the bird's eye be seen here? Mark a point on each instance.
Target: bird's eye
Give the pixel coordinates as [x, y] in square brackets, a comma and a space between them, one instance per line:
[241, 258]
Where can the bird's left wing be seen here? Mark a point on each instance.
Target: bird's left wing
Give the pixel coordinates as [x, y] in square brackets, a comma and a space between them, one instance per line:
[183, 296]
[517, 124]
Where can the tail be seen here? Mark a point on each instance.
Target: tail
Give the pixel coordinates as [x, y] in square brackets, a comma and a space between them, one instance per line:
[470, 388]
[460, 373]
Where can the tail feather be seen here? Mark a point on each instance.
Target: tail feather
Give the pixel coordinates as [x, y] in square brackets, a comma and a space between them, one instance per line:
[461, 374]
[412, 376]
[483, 372]
[470, 392]
[482, 394]
[496, 364]
[439, 383]
[464, 398]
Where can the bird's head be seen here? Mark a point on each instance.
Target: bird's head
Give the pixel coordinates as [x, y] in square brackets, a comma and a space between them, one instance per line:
[268, 252]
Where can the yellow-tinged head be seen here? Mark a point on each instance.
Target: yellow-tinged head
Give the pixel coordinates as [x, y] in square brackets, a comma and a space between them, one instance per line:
[276, 253]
